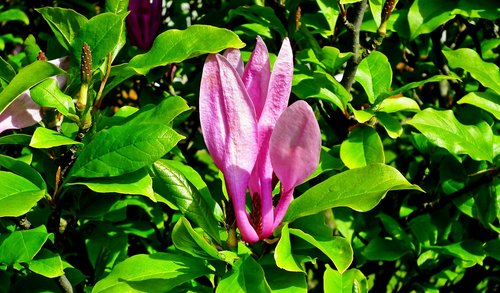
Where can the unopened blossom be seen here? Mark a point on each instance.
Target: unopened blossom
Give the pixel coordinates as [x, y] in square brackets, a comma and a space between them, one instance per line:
[251, 133]
[23, 111]
[144, 21]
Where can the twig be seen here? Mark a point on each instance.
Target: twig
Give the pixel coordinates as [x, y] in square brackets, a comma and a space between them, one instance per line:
[442, 202]
[352, 65]
[65, 284]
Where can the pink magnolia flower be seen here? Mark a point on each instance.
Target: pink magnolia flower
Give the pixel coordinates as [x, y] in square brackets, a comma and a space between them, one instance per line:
[144, 21]
[23, 111]
[251, 134]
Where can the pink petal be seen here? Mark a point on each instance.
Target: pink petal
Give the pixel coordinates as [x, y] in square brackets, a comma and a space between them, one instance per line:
[234, 57]
[275, 103]
[294, 150]
[23, 112]
[229, 128]
[256, 76]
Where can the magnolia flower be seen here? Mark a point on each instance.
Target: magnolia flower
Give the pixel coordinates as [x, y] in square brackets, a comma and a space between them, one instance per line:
[251, 134]
[23, 112]
[144, 21]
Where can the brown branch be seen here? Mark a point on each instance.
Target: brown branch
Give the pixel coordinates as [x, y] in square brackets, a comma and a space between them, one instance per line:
[352, 65]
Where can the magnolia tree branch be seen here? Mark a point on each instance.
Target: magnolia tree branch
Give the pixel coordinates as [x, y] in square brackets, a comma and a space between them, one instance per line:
[352, 65]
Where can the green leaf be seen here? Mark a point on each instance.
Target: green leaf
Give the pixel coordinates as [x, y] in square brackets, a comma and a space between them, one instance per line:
[375, 75]
[17, 194]
[362, 147]
[195, 179]
[138, 182]
[486, 73]
[385, 249]
[390, 124]
[492, 249]
[116, 6]
[264, 16]
[22, 246]
[283, 255]
[143, 139]
[23, 169]
[47, 264]
[360, 189]
[103, 35]
[478, 9]
[7, 73]
[185, 238]
[44, 138]
[350, 281]
[487, 101]
[245, 276]
[322, 86]
[425, 16]
[65, 23]
[470, 251]
[338, 249]
[376, 9]
[106, 246]
[14, 15]
[48, 94]
[444, 130]
[27, 77]
[17, 138]
[157, 272]
[332, 59]
[412, 85]
[174, 46]
[31, 48]
[397, 104]
[175, 188]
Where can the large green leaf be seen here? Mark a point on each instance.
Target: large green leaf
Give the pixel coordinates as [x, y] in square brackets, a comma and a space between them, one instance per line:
[47, 264]
[44, 138]
[103, 34]
[338, 249]
[444, 130]
[48, 94]
[143, 139]
[65, 23]
[157, 272]
[246, 275]
[375, 75]
[487, 101]
[360, 189]
[22, 246]
[284, 257]
[27, 77]
[138, 182]
[174, 46]
[22, 169]
[17, 194]
[362, 147]
[350, 281]
[171, 184]
[425, 16]
[185, 238]
[486, 73]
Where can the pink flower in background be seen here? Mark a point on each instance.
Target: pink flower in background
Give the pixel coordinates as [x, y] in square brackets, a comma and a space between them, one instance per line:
[23, 112]
[251, 134]
[144, 21]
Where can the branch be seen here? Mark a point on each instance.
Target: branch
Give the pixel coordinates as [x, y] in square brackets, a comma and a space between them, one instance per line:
[352, 65]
